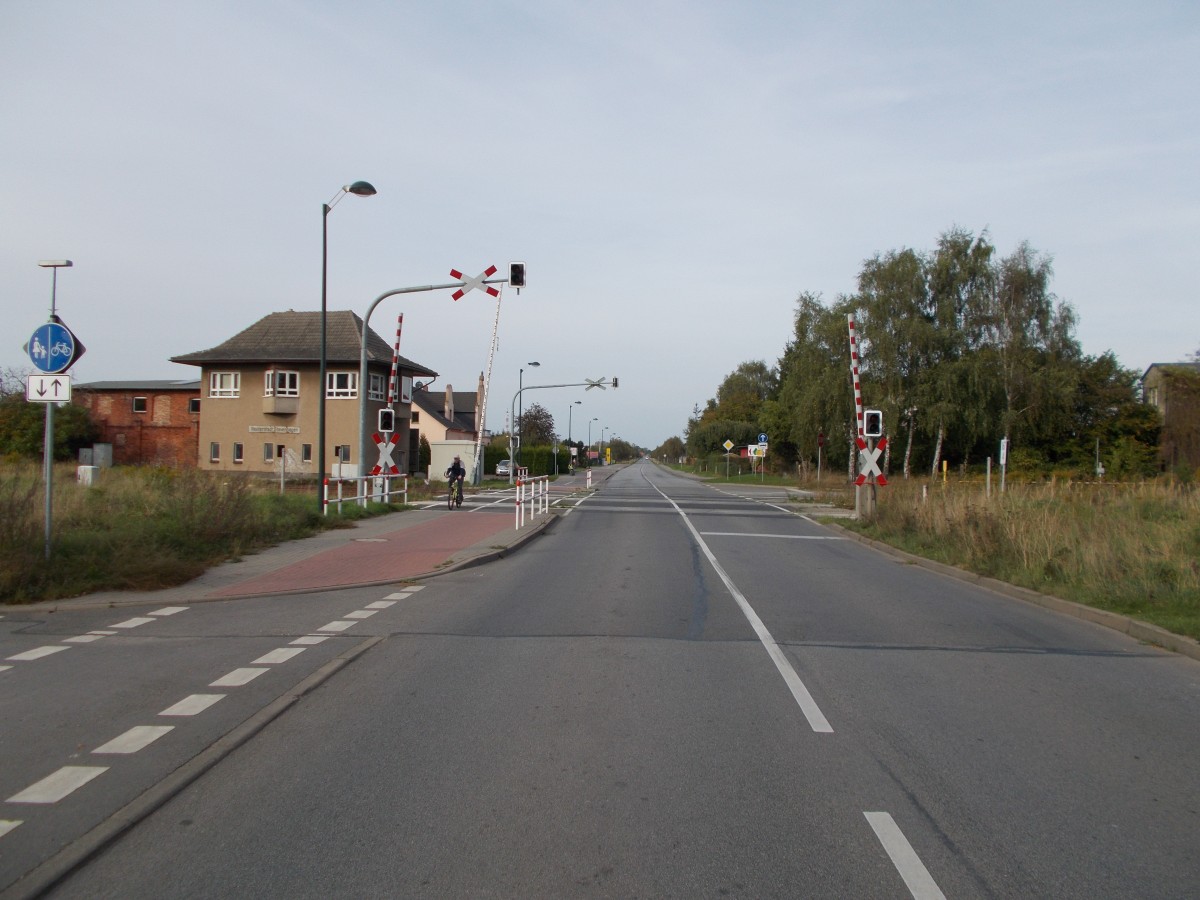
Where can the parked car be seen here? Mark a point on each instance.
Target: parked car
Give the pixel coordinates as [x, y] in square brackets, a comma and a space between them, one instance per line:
[504, 467]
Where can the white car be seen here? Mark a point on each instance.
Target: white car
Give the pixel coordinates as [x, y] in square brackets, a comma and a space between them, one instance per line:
[504, 467]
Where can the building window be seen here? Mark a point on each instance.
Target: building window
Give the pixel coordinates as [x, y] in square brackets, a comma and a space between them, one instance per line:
[341, 385]
[416, 417]
[139, 404]
[214, 452]
[378, 387]
[306, 453]
[282, 384]
[194, 405]
[238, 449]
[224, 384]
[268, 453]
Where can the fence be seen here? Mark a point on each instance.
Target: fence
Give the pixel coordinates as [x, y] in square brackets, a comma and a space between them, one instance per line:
[367, 488]
[534, 491]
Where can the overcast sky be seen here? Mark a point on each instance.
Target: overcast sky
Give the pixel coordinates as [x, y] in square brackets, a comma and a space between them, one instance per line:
[673, 173]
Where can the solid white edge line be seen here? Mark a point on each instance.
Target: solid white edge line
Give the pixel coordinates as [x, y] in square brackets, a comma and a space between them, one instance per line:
[58, 784]
[916, 877]
[793, 537]
[812, 712]
[135, 739]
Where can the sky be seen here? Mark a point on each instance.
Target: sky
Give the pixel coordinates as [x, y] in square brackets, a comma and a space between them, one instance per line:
[674, 174]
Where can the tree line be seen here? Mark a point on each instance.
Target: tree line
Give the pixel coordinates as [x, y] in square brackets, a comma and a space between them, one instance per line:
[959, 348]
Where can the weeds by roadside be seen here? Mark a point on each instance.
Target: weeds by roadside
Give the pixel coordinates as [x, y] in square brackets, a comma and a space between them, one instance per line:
[140, 528]
[1128, 548]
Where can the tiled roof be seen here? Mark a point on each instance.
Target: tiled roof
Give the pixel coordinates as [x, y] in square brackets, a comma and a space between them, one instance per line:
[295, 337]
[434, 404]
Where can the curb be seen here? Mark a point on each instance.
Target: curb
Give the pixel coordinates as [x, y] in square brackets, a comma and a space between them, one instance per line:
[1134, 628]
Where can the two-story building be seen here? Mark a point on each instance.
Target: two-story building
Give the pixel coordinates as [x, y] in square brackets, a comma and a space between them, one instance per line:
[1174, 390]
[145, 422]
[261, 395]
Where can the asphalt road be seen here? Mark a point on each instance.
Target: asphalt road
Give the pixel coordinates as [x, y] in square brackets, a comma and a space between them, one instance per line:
[675, 692]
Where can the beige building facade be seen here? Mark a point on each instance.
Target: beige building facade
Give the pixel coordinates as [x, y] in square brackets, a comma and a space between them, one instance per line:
[260, 393]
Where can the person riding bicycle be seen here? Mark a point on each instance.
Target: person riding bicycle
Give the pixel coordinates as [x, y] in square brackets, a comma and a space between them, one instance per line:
[456, 473]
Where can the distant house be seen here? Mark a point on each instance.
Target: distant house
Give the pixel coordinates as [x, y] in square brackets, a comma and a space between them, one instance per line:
[447, 415]
[1174, 389]
[261, 395]
[146, 422]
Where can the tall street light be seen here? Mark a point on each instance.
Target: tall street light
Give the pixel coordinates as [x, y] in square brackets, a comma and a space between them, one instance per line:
[520, 411]
[589, 444]
[360, 189]
[570, 445]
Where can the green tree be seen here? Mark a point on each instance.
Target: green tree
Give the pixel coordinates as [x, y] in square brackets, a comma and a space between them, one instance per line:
[23, 424]
[536, 426]
[672, 450]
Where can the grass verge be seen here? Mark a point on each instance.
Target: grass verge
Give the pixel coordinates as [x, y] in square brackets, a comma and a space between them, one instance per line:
[1127, 548]
[142, 528]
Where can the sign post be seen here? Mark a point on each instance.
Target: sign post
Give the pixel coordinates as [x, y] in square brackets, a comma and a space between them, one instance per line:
[53, 350]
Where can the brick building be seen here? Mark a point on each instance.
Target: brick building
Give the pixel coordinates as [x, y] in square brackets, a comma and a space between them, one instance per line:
[146, 422]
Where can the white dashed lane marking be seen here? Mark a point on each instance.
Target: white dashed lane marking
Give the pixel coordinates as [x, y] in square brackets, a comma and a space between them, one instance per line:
[238, 677]
[37, 653]
[361, 614]
[310, 639]
[54, 787]
[83, 638]
[283, 654]
[133, 623]
[381, 604]
[336, 626]
[7, 825]
[192, 705]
[169, 610]
[134, 739]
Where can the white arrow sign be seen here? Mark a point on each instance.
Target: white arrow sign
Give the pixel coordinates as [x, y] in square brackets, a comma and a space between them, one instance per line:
[48, 388]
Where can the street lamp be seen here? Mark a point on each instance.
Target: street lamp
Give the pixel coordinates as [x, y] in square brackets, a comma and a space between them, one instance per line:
[520, 411]
[589, 443]
[570, 444]
[360, 189]
[48, 453]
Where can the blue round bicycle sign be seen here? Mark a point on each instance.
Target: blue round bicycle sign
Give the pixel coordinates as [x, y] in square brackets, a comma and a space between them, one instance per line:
[53, 348]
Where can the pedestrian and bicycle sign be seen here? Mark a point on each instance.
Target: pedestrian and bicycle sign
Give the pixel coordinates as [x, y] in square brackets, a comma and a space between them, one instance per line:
[53, 348]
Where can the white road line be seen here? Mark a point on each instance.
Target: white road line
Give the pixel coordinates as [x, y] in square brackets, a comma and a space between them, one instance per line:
[381, 604]
[37, 653]
[238, 677]
[336, 626]
[395, 597]
[361, 614]
[916, 877]
[83, 639]
[310, 639]
[134, 739]
[793, 537]
[5, 668]
[132, 623]
[808, 706]
[102, 633]
[7, 825]
[283, 654]
[169, 610]
[54, 787]
[192, 705]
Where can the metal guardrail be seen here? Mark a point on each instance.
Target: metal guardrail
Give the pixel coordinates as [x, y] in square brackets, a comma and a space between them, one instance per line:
[367, 488]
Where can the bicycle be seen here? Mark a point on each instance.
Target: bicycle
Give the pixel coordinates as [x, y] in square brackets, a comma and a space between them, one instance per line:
[456, 494]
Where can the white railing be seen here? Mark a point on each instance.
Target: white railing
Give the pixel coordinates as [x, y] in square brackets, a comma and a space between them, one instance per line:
[534, 491]
[366, 488]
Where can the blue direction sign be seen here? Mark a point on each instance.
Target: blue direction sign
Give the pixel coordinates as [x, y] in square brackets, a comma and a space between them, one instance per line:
[53, 348]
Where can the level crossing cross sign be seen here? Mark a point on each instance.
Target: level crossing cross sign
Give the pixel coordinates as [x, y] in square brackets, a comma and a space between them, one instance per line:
[870, 462]
[386, 444]
[469, 284]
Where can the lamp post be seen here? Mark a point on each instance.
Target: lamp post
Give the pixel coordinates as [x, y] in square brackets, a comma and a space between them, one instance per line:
[520, 410]
[589, 444]
[48, 454]
[570, 443]
[360, 189]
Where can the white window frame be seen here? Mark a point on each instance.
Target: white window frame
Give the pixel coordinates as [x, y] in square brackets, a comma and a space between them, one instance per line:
[239, 452]
[289, 388]
[143, 402]
[214, 452]
[378, 388]
[224, 384]
[341, 385]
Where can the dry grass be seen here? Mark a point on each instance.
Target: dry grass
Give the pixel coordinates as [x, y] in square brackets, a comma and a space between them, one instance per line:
[1129, 548]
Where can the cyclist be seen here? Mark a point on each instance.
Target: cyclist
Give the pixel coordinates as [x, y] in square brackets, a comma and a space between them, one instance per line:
[456, 474]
